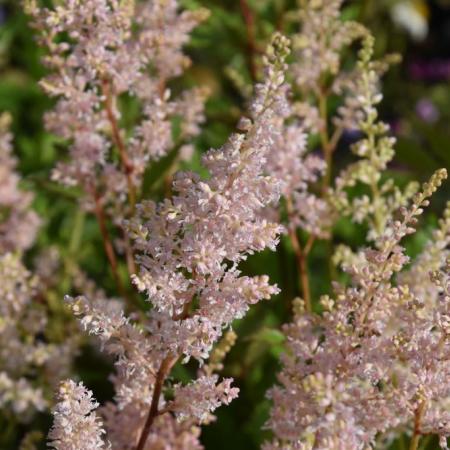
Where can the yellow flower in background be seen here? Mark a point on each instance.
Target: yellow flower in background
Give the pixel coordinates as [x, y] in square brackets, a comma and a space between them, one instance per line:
[412, 15]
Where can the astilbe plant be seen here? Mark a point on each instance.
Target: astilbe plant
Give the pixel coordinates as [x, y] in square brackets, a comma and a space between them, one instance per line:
[32, 360]
[376, 360]
[101, 53]
[317, 75]
[322, 74]
[374, 363]
[76, 425]
[188, 250]
[375, 151]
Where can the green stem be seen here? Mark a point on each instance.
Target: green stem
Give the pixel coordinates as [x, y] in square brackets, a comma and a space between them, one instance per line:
[77, 232]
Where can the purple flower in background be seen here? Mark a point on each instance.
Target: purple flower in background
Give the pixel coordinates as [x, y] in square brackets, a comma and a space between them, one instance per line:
[427, 110]
[432, 70]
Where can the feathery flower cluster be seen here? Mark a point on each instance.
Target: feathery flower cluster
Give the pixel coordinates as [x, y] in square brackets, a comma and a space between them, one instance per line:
[376, 150]
[296, 172]
[188, 250]
[431, 259]
[30, 363]
[18, 223]
[76, 424]
[189, 247]
[318, 46]
[100, 51]
[377, 358]
[17, 323]
[374, 364]
[27, 363]
[318, 75]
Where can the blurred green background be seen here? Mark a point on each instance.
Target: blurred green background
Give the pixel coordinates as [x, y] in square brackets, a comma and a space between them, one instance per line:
[416, 104]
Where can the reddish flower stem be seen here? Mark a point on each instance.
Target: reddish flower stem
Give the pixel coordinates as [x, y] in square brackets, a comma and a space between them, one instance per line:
[107, 244]
[163, 372]
[161, 375]
[125, 160]
[301, 256]
[414, 445]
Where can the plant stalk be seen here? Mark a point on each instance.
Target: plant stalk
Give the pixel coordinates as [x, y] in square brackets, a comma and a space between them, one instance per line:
[161, 375]
[125, 160]
[107, 244]
[301, 257]
[414, 445]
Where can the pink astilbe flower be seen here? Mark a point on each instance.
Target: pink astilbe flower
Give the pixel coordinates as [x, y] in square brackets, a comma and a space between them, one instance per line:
[188, 249]
[18, 223]
[203, 395]
[98, 51]
[431, 259]
[76, 425]
[319, 44]
[136, 359]
[30, 364]
[375, 361]
[297, 171]
[320, 75]
[20, 396]
[138, 354]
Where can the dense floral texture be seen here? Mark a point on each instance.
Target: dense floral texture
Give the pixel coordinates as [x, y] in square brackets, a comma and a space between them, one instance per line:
[319, 70]
[76, 424]
[297, 172]
[375, 150]
[98, 52]
[188, 249]
[319, 44]
[375, 360]
[18, 223]
[372, 365]
[30, 363]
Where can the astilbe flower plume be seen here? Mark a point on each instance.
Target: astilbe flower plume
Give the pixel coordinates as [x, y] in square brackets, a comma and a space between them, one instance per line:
[374, 364]
[318, 45]
[32, 360]
[318, 74]
[17, 357]
[188, 249]
[382, 198]
[318, 69]
[76, 424]
[375, 361]
[297, 171]
[99, 52]
[432, 258]
[102, 55]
